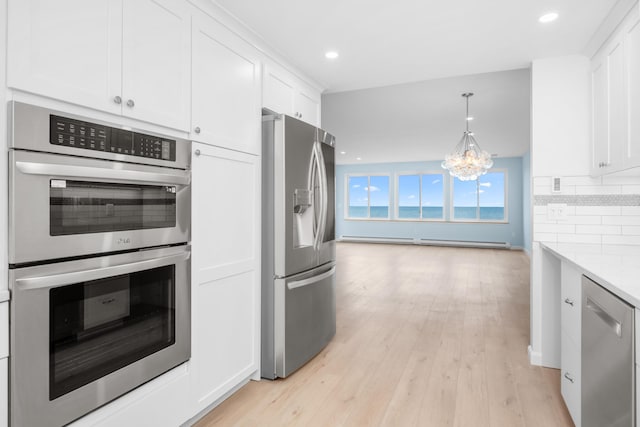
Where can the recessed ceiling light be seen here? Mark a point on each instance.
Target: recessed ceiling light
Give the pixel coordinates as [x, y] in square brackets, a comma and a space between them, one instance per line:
[343, 152]
[358, 158]
[548, 17]
[332, 54]
[469, 118]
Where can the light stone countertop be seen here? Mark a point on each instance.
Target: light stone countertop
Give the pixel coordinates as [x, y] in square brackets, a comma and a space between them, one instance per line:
[614, 267]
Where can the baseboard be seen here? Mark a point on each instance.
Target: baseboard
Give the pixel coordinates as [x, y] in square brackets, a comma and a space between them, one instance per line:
[535, 357]
[427, 242]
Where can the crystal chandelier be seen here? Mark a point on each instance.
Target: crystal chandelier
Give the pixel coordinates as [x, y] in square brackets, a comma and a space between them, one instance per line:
[468, 161]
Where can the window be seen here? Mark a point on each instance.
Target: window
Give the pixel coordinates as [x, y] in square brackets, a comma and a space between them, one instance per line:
[480, 200]
[421, 196]
[368, 197]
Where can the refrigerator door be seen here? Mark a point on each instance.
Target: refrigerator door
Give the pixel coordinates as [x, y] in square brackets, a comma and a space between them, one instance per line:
[303, 196]
[305, 318]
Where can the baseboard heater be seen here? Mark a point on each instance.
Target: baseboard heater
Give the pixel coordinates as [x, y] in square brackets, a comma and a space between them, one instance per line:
[428, 242]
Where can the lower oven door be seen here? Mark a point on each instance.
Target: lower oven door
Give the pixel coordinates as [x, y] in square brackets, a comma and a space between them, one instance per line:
[85, 332]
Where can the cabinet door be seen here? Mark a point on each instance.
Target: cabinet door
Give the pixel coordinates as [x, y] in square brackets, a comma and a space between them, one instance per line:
[308, 106]
[226, 270]
[632, 51]
[226, 106]
[156, 62]
[279, 92]
[570, 379]
[617, 105]
[600, 114]
[66, 49]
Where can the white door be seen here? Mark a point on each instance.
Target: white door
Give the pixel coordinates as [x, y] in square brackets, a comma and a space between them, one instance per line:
[278, 92]
[226, 271]
[632, 51]
[66, 49]
[617, 105]
[226, 106]
[156, 62]
[600, 114]
[308, 107]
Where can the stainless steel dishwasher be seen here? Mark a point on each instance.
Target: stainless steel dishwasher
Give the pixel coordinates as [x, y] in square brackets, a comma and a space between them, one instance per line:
[608, 367]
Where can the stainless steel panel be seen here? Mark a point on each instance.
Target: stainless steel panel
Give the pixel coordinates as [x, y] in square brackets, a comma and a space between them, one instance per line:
[293, 149]
[608, 369]
[305, 317]
[29, 360]
[29, 182]
[29, 130]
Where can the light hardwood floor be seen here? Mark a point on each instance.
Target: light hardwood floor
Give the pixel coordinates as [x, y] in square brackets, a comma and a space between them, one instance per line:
[426, 336]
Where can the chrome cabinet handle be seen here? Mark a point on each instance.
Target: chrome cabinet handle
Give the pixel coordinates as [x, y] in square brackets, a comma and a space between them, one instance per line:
[117, 99]
[197, 153]
[568, 301]
[130, 103]
[197, 130]
[569, 377]
[605, 317]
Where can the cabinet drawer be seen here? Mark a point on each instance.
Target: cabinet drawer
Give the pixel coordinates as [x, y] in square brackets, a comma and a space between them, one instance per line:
[570, 379]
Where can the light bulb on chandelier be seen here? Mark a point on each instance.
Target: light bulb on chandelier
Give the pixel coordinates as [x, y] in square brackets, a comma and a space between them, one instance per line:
[467, 161]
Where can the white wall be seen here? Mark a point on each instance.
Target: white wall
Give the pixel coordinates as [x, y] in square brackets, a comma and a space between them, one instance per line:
[560, 110]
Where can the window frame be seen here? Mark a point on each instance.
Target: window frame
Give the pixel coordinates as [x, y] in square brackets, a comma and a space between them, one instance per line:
[420, 175]
[348, 191]
[505, 220]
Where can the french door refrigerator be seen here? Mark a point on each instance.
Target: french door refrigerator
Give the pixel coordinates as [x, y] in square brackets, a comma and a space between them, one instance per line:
[298, 245]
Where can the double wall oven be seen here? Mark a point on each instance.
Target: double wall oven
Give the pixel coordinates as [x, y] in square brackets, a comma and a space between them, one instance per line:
[99, 262]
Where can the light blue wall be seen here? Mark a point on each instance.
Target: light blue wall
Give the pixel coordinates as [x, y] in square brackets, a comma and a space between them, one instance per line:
[526, 201]
[511, 232]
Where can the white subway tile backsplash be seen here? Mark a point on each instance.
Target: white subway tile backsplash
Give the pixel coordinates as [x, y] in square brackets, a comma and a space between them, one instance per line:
[545, 237]
[601, 189]
[579, 238]
[585, 219]
[598, 210]
[621, 240]
[542, 181]
[540, 210]
[554, 228]
[541, 190]
[631, 230]
[631, 189]
[581, 180]
[630, 210]
[542, 219]
[620, 180]
[621, 220]
[598, 229]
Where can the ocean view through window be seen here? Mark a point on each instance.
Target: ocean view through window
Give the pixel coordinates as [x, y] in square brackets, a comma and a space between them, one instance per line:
[368, 196]
[420, 196]
[480, 200]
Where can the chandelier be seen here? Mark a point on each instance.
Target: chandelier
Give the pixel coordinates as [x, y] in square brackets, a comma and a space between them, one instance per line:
[467, 161]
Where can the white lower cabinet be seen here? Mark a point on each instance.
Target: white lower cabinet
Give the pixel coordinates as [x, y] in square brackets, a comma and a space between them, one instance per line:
[226, 271]
[570, 344]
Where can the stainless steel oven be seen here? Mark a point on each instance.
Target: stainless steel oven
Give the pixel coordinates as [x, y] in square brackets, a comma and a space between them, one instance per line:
[99, 262]
[84, 332]
[82, 187]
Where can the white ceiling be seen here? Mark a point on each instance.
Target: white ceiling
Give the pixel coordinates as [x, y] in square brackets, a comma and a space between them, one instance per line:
[384, 42]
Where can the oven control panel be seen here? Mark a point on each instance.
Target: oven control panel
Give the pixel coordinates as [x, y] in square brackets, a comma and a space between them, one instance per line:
[91, 136]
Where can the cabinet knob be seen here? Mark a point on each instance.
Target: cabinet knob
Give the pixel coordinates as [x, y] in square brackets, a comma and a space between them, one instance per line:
[569, 377]
[568, 301]
[197, 130]
[197, 153]
[130, 103]
[117, 100]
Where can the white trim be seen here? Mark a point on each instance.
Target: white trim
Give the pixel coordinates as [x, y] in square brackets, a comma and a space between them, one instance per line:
[535, 357]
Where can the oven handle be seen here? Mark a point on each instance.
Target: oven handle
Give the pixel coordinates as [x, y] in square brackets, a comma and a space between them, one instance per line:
[57, 280]
[120, 175]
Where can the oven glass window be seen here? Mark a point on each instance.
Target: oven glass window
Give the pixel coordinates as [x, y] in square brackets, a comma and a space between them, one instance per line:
[80, 207]
[101, 326]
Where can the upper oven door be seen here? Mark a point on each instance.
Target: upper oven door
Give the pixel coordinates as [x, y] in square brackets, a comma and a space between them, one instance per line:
[65, 206]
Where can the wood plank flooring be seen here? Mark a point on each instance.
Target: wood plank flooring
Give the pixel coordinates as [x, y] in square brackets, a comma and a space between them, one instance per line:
[426, 336]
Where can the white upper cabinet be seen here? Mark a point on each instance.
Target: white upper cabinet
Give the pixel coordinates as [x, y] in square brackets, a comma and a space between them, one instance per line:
[125, 57]
[285, 94]
[615, 78]
[226, 106]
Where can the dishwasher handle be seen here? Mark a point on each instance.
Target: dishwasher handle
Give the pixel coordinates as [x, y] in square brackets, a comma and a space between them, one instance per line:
[605, 317]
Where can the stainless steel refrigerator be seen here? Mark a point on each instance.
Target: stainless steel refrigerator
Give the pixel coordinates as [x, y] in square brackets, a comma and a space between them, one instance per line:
[298, 245]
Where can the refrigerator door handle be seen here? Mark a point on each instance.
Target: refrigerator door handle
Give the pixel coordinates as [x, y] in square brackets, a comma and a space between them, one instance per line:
[324, 194]
[317, 210]
[311, 280]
